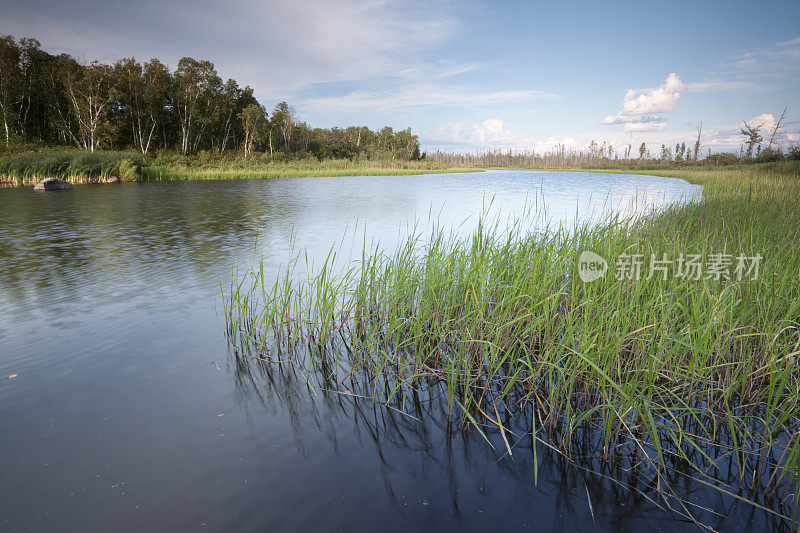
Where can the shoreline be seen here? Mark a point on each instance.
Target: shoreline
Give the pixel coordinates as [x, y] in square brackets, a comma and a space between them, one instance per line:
[104, 167]
[161, 174]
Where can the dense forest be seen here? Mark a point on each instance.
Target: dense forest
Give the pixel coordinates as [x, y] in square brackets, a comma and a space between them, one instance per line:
[54, 100]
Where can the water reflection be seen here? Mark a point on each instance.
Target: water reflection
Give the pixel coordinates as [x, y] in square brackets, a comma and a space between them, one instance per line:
[108, 314]
[418, 439]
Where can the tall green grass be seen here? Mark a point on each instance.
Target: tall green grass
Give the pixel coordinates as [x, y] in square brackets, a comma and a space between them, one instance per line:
[72, 166]
[693, 376]
[275, 168]
[75, 166]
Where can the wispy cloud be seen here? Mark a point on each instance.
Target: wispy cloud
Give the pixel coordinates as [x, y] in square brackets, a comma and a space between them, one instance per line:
[723, 85]
[638, 106]
[420, 96]
[762, 68]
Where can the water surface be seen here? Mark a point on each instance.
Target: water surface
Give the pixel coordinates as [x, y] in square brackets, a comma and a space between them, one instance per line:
[130, 413]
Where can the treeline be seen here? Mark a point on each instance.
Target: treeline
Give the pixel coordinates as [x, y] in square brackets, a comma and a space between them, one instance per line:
[606, 155]
[558, 156]
[54, 100]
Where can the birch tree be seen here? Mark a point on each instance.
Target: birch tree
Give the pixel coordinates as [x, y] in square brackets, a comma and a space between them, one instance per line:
[194, 82]
[142, 97]
[9, 82]
[91, 90]
[283, 123]
[254, 125]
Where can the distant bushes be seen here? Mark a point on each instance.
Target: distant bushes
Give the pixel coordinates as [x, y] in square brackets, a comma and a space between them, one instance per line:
[768, 155]
[80, 166]
[722, 158]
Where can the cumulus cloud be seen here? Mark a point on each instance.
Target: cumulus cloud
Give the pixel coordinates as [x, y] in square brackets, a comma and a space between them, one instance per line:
[659, 100]
[492, 132]
[638, 107]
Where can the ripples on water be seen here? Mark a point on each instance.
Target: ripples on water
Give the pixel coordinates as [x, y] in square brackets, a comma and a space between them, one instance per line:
[129, 412]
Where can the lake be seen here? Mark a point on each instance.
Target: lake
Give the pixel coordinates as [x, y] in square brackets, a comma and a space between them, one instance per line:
[129, 410]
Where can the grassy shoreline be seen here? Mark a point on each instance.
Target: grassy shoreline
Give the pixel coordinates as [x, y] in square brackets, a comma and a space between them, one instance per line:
[697, 376]
[80, 167]
[300, 169]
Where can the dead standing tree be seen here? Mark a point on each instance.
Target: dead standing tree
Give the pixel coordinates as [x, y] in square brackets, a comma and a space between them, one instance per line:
[697, 142]
[777, 127]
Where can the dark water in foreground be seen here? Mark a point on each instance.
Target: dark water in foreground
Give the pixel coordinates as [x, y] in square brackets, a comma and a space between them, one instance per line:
[130, 413]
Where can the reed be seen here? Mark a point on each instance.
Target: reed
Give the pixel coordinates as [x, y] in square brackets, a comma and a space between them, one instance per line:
[74, 166]
[265, 167]
[697, 376]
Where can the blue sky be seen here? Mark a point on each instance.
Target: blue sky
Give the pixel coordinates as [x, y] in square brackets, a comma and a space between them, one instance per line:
[470, 75]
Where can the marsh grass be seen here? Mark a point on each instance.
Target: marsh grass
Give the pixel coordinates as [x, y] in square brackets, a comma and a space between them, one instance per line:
[74, 166]
[258, 168]
[697, 377]
[80, 167]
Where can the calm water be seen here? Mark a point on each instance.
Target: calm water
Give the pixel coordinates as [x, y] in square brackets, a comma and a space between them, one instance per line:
[130, 413]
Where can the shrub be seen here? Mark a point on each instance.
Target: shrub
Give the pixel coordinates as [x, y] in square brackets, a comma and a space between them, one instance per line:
[769, 154]
[722, 158]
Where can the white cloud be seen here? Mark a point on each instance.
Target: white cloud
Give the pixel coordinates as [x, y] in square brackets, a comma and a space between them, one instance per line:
[638, 107]
[659, 100]
[660, 125]
[492, 132]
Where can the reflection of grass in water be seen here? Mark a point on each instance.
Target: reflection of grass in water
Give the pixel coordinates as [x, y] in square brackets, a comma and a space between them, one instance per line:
[418, 421]
[698, 376]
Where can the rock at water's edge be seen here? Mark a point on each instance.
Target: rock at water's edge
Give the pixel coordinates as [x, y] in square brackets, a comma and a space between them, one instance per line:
[52, 184]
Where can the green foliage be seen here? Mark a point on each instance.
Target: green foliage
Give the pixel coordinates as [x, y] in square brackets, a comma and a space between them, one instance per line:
[71, 165]
[148, 107]
[769, 154]
[722, 158]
